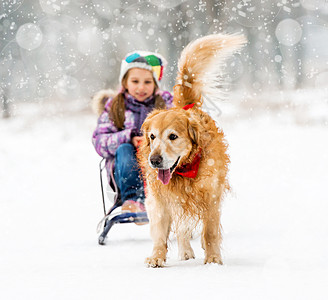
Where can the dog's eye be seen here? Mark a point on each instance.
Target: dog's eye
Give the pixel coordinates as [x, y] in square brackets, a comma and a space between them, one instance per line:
[173, 136]
[152, 136]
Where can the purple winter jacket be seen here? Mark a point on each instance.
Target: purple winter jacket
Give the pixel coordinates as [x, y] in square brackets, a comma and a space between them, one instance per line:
[106, 137]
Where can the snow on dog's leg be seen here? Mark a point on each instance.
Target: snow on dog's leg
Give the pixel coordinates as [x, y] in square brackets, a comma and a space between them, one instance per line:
[211, 235]
[160, 223]
[183, 238]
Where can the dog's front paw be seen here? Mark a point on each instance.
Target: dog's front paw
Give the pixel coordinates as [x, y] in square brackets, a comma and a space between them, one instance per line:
[155, 262]
[214, 258]
[187, 254]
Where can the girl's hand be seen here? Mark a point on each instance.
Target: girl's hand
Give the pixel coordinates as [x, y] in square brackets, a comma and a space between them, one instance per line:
[136, 140]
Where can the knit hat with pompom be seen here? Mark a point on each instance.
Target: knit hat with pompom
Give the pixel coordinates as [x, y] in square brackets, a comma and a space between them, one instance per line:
[150, 61]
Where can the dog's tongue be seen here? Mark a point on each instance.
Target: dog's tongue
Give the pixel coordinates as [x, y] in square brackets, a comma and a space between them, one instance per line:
[164, 175]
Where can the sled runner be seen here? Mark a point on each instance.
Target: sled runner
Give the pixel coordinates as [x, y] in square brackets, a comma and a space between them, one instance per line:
[111, 217]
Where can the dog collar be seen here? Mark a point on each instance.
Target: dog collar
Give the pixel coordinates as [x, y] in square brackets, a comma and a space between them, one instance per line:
[190, 170]
[186, 107]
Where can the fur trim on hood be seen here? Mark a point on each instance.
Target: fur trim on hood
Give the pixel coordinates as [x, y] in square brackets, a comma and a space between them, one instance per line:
[99, 100]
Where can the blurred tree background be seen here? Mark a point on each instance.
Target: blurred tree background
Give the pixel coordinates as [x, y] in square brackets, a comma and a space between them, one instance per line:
[66, 50]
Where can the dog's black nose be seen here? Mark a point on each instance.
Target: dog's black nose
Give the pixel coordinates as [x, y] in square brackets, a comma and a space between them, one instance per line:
[156, 161]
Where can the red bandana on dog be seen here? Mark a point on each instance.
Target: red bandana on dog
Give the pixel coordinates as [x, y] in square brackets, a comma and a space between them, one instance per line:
[190, 170]
[188, 106]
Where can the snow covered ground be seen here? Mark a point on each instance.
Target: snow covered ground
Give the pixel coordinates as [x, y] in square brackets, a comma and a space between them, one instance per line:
[275, 221]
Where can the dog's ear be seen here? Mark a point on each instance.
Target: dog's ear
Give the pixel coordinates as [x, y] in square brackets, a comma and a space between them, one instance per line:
[145, 129]
[146, 124]
[144, 149]
[193, 130]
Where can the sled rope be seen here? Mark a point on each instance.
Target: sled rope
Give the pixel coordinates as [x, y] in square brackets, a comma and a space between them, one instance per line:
[102, 186]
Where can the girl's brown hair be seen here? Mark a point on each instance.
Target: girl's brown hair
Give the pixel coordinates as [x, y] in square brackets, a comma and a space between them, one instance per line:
[117, 109]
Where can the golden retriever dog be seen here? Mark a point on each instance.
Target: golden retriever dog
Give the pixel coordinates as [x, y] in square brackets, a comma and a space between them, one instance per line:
[184, 155]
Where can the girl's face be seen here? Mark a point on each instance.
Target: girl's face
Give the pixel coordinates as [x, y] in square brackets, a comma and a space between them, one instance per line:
[140, 83]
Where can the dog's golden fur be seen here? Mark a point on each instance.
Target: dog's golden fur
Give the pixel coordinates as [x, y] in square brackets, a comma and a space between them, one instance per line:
[176, 136]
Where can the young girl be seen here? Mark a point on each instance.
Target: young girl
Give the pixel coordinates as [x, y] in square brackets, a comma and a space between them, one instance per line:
[118, 133]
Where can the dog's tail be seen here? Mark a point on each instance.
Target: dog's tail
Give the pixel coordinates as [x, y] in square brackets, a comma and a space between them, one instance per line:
[200, 68]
